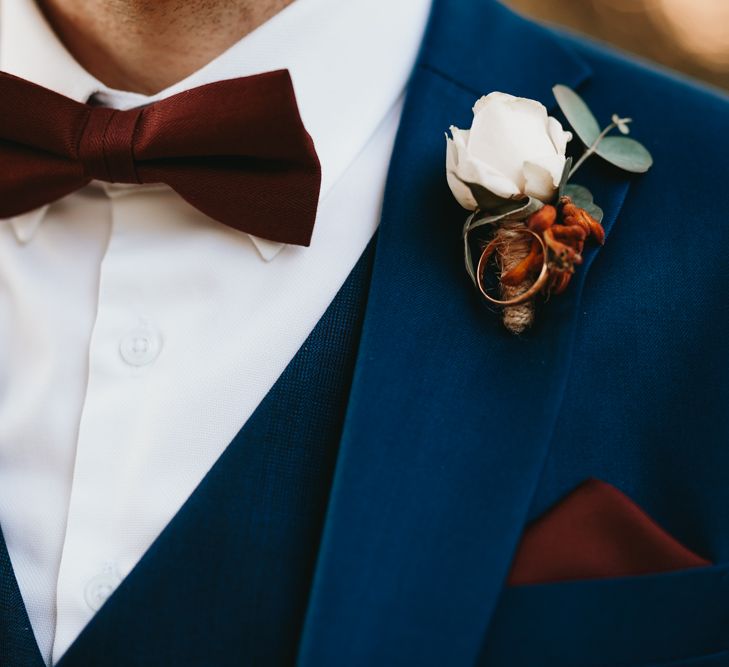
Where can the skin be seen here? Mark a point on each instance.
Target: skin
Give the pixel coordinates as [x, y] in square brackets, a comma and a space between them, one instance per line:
[145, 46]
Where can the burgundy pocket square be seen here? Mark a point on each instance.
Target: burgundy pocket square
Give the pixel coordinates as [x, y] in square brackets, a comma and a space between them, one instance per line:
[596, 532]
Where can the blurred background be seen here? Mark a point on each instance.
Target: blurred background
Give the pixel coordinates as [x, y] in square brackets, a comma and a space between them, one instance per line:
[691, 36]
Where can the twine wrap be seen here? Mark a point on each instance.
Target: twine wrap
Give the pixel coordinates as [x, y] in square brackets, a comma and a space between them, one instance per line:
[513, 248]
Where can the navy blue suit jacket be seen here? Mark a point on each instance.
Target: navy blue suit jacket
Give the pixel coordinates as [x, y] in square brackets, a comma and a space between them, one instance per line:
[457, 434]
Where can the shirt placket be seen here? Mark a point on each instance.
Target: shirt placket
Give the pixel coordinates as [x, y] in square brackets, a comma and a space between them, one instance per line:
[124, 347]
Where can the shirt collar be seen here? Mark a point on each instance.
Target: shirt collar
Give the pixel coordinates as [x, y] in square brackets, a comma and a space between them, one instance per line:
[349, 61]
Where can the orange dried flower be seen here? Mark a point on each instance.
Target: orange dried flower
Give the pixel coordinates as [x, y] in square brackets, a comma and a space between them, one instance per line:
[564, 232]
[574, 215]
[543, 219]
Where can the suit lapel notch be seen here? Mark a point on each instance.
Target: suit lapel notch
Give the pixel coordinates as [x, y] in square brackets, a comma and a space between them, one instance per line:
[449, 418]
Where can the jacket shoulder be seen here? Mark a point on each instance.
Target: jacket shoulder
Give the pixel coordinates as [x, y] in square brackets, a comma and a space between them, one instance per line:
[644, 79]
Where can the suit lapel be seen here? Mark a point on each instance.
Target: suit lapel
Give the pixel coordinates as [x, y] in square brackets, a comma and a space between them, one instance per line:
[450, 418]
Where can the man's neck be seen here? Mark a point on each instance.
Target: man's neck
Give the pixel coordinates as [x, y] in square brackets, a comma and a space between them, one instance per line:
[145, 46]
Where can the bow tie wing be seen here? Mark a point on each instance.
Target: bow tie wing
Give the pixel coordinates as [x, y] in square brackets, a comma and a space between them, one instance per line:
[39, 135]
[238, 151]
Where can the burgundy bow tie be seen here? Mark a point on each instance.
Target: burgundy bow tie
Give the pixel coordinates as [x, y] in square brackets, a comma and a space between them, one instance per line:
[236, 150]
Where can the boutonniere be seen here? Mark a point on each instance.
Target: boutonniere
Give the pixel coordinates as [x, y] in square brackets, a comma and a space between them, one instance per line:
[529, 221]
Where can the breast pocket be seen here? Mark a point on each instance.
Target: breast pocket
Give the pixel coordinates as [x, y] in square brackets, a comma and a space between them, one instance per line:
[672, 619]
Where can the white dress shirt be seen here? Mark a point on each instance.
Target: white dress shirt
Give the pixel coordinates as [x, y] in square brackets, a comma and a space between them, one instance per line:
[137, 336]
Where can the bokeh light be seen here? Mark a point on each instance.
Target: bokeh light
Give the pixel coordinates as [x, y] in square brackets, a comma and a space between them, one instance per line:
[691, 36]
[702, 28]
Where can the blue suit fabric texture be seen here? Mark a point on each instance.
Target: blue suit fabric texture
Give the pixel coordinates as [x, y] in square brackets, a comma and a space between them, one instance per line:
[368, 513]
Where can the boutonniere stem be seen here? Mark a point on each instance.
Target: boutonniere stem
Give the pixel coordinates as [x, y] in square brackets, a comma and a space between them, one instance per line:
[528, 222]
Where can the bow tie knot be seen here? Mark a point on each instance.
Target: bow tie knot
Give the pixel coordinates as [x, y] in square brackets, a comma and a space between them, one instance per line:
[106, 147]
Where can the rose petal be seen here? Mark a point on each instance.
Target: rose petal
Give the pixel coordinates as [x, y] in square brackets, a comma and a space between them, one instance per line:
[494, 98]
[559, 136]
[456, 147]
[461, 192]
[542, 176]
[508, 131]
[464, 169]
[476, 171]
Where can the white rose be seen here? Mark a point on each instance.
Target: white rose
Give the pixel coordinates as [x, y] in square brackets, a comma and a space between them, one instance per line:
[513, 149]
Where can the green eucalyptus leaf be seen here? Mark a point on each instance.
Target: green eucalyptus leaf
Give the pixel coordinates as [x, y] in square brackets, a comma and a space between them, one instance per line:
[519, 209]
[467, 256]
[579, 194]
[626, 153]
[582, 197]
[565, 177]
[577, 112]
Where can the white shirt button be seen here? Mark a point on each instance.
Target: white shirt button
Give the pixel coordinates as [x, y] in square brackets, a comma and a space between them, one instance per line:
[100, 588]
[140, 346]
